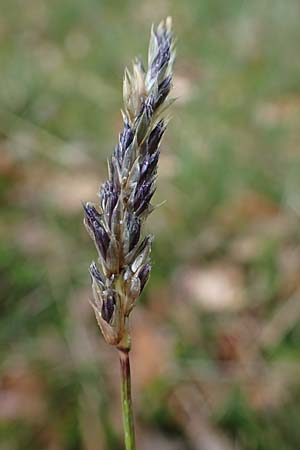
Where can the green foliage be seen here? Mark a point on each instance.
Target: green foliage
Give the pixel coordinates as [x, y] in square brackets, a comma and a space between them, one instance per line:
[233, 142]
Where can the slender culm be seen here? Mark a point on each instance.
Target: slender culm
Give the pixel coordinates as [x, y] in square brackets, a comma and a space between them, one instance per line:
[115, 225]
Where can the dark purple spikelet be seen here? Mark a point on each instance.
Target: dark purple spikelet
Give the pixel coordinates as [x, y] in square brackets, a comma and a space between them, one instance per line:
[94, 224]
[144, 275]
[91, 214]
[162, 57]
[96, 275]
[155, 136]
[125, 138]
[124, 265]
[108, 307]
[134, 229]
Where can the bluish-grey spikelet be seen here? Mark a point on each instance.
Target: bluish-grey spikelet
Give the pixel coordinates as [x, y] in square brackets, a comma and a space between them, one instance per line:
[124, 266]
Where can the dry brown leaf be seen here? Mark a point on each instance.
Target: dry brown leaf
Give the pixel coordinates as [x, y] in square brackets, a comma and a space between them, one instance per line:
[151, 351]
[193, 415]
[21, 395]
[216, 287]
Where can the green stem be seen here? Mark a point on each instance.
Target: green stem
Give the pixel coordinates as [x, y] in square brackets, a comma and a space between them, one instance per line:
[127, 410]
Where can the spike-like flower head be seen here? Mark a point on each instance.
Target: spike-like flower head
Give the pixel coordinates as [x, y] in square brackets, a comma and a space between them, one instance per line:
[124, 266]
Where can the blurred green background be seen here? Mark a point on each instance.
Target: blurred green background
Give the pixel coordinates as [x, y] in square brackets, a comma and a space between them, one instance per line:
[216, 336]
